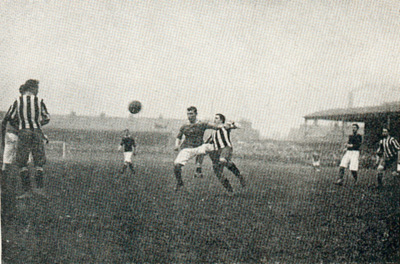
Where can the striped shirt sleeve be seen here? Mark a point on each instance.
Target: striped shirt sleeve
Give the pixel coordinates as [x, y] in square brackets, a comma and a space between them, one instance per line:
[12, 111]
[10, 115]
[379, 151]
[44, 114]
[395, 144]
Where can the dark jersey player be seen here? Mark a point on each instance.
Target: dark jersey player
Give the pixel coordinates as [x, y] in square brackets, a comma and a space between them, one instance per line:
[351, 157]
[191, 135]
[129, 146]
[194, 133]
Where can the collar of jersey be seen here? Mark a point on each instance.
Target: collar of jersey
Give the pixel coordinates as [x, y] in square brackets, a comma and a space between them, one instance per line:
[197, 121]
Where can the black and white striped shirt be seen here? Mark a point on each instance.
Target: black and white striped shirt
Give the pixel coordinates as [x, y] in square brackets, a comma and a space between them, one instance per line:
[220, 138]
[30, 111]
[389, 147]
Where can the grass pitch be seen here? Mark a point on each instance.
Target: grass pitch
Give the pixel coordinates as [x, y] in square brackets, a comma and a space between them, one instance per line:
[287, 213]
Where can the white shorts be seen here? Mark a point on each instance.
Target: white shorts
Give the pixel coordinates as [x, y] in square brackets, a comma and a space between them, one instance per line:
[10, 148]
[351, 158]
[188, 153]
[316, 163]
[128, 156]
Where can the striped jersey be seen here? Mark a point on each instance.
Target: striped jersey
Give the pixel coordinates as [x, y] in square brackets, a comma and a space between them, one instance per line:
[389, 147]
[220, 138]
[30, 111]
[10, 125]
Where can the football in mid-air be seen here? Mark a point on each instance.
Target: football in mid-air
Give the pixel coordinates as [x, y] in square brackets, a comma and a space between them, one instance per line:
[135, 107]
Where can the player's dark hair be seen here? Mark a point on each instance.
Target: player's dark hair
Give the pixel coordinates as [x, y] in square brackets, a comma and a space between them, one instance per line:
[222, 117]
[192, 108]
[356, 125]
[30, 85]
[22, 89]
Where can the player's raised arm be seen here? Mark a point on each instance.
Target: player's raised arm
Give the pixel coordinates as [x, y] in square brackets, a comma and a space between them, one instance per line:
[210, 125]
[228, 125]
[231, 125]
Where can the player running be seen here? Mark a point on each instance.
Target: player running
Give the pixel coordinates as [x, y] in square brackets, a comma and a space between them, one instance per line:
[388, 153]
[129, 145]
[189, 147]
[352, 155]
[222, 155]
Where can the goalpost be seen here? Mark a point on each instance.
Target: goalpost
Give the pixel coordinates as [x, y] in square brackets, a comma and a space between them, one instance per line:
[59, 147]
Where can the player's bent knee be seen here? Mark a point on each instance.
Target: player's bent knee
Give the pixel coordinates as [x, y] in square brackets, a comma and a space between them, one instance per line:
[178, 167]
[176, 163]
[381, 168]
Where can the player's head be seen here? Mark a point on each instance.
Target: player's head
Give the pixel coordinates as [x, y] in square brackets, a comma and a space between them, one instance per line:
[219, 119]
[355, 128]
[192, 113]
[22, 89]
[126, 132]
[31, 86]
[385, 132]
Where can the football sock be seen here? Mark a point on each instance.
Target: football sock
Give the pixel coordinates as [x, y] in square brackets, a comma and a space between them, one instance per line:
[354, 173]
[225, 182]
[39, 178]
[232, 167]
[178, 174]
[123, 168]
[379, 178]
[218, 169]
[3, 174]
[341, 173]
[4, 170]
[26, 184]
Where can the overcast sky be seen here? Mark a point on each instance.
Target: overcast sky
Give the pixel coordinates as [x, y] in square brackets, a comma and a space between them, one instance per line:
[271, 62]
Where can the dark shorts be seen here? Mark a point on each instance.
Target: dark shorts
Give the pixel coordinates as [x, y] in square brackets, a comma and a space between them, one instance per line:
[224, 153]
[389, 164]
[30, 141]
